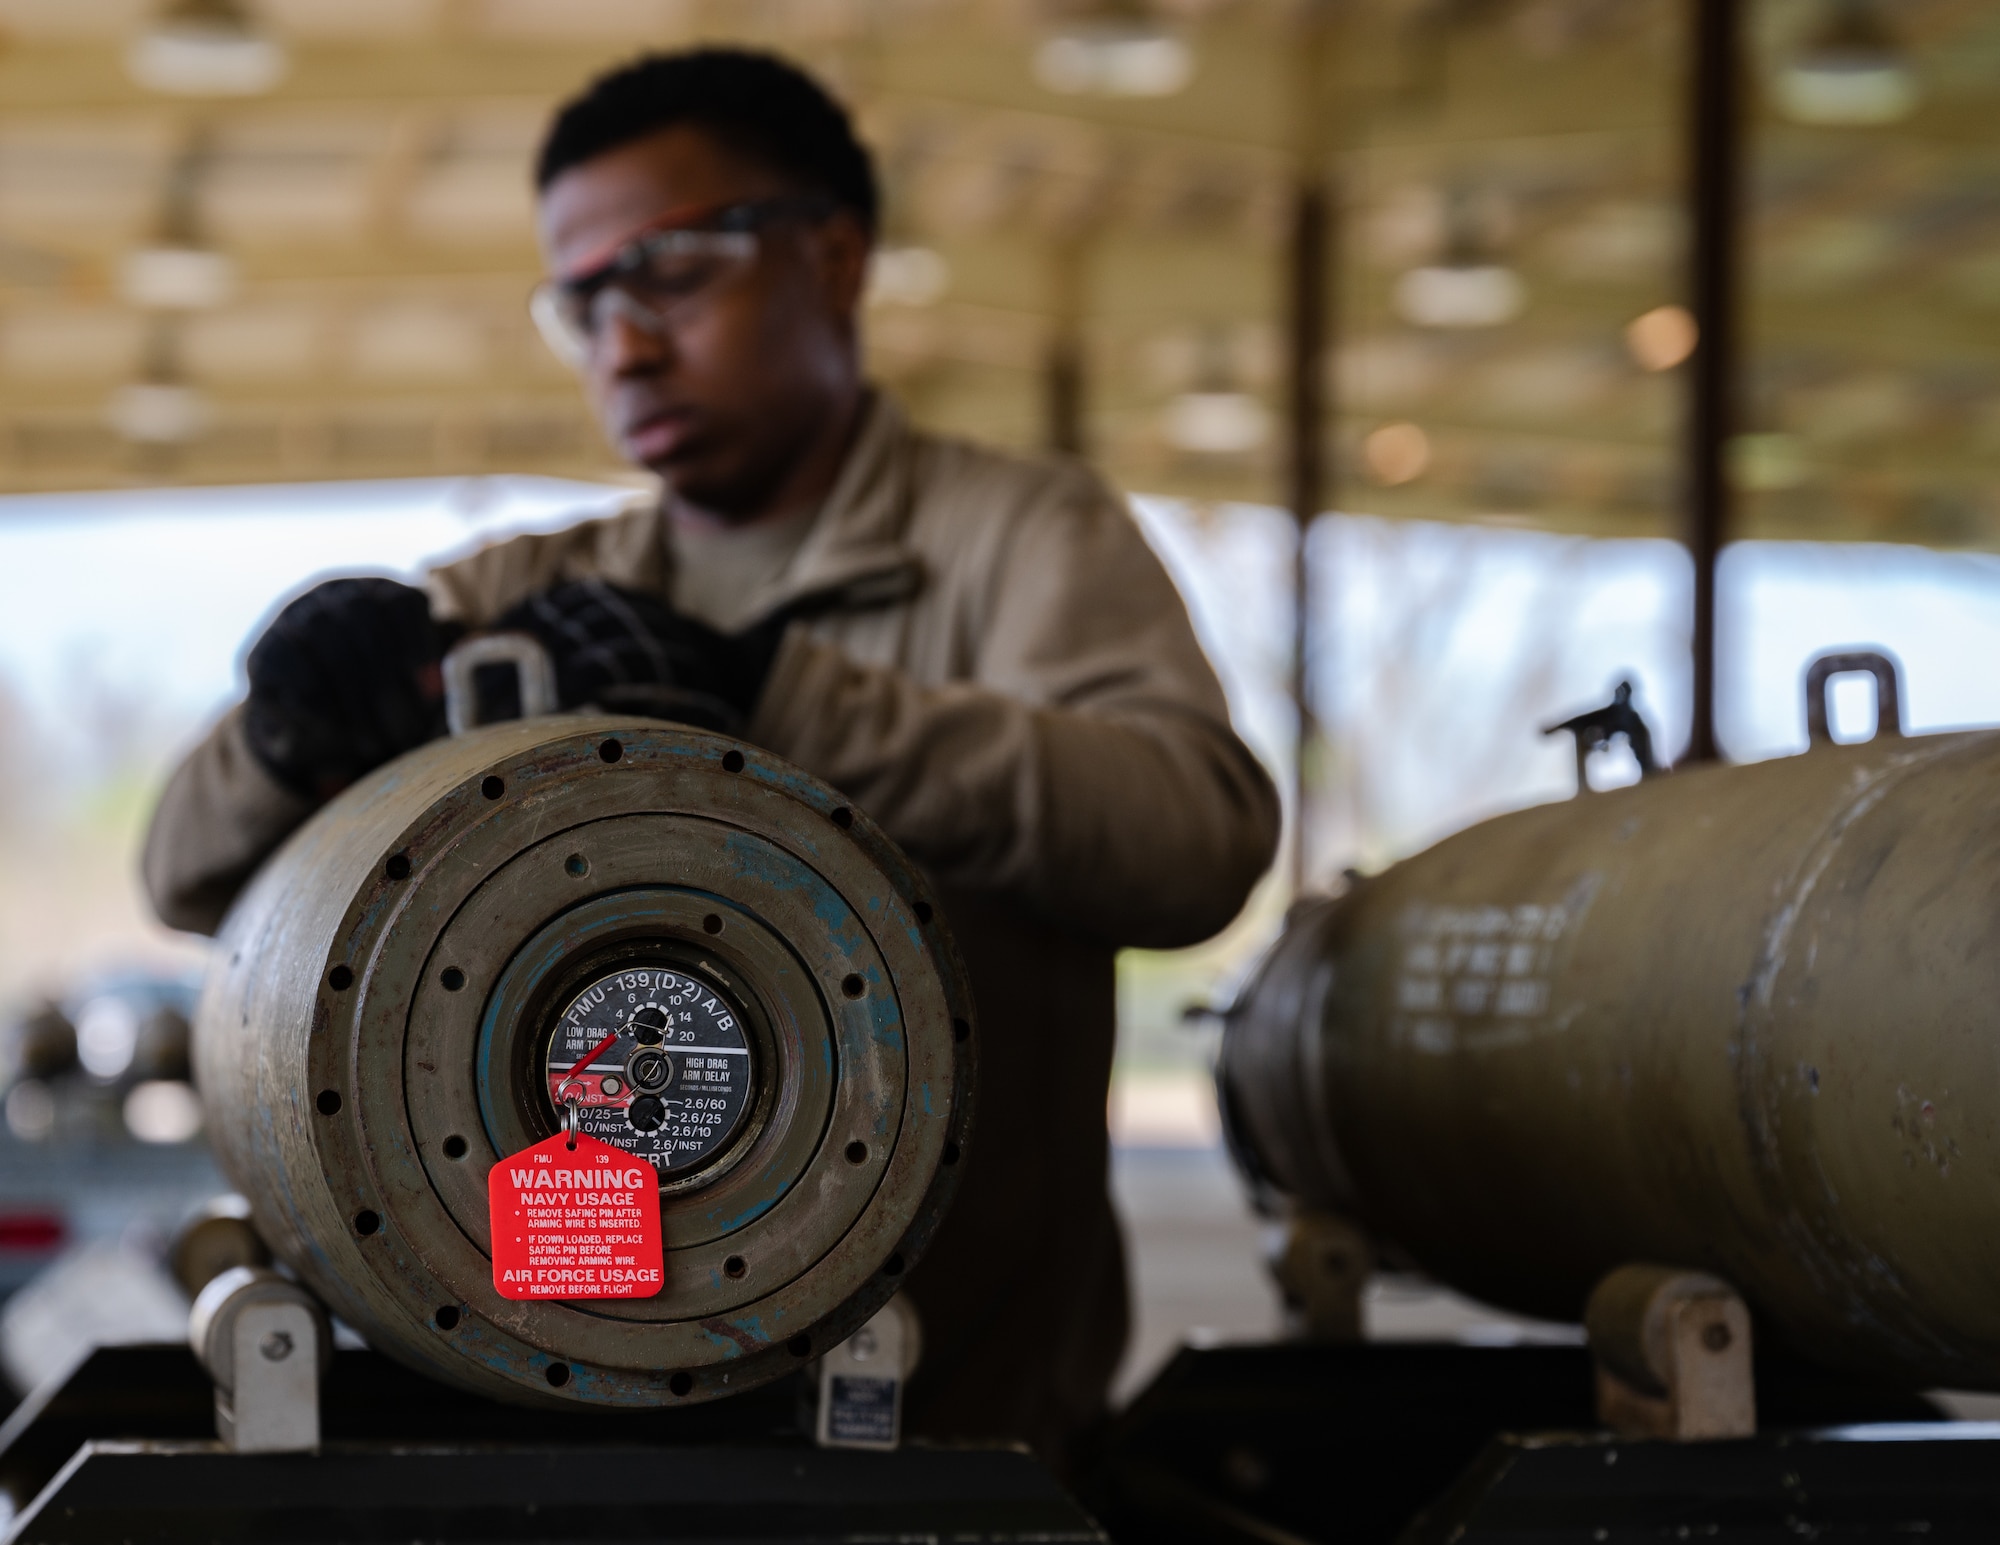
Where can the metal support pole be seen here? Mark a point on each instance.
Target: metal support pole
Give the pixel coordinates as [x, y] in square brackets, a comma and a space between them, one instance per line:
[1062, 362]
[1316, 106]
[1062, 395]
[1306, 470]
[1714, 178]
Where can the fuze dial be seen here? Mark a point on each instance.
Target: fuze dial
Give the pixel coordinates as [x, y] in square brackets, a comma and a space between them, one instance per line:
[657, 1064]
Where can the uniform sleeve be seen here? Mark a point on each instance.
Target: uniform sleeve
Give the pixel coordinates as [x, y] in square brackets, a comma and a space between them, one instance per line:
[628, 549]
[1087, 768]
[220, 817]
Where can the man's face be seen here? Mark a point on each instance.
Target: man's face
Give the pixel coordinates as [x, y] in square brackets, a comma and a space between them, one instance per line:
[726, 396]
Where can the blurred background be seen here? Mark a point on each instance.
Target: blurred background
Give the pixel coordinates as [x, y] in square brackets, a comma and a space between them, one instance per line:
[1462, 358]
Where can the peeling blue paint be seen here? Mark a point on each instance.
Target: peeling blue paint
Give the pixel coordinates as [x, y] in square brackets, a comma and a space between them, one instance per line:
[730, 1349]
[832, 911]
[750, 1214]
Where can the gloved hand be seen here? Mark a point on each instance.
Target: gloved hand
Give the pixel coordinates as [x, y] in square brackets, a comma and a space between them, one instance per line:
[630, 652]
[345, 678]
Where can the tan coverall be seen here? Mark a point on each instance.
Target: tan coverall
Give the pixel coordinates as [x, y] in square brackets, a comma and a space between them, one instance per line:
[1004, 677]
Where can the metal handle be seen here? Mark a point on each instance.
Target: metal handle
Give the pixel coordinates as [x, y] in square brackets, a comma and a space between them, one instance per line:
[1596, 730]
[533, 669]
[1878, 663]
[266, 1342]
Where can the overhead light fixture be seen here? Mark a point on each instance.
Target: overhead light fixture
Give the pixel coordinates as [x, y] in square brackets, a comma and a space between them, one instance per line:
[906, 276]
[1116, 48]
[176, 278]
[1470, 287]
[206, 48]
[157, 413]
[1217, 423]
[1460, 295]
[1662, 338]
[1396, 454]
[1215, 416]
[1849, 70]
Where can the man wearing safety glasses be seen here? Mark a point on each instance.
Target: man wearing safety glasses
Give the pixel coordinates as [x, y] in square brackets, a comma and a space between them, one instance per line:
[978, 649]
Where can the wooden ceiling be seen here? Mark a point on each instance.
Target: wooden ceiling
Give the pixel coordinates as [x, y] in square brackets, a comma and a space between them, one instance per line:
[374, 207]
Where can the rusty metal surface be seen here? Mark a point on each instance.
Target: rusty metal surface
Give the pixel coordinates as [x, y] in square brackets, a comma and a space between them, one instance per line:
[1739, 1019]
[365, 1044]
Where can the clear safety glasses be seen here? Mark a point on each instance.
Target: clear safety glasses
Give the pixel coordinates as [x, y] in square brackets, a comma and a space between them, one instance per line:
[663, 272]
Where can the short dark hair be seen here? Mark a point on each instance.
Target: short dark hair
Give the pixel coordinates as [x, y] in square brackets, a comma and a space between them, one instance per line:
[755, 103]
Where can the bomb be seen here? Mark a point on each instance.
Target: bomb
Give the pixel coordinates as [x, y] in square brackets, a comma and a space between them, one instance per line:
[581, 928]
[1739, 1019]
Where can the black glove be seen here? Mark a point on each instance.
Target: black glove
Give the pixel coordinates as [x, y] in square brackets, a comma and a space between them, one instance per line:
[632, 653]
[344, 679]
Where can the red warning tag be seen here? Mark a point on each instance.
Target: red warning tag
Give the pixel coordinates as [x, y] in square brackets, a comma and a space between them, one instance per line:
[580, 1222]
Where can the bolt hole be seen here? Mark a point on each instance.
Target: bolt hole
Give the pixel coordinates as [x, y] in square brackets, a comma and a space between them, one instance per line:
[1716, 1337]
[711, 924]
[366, 1222]
[923, 911]
[960, 1030]
[857, 1152]
[576, 866]
[454, 1147]
[853, 986]
[951, 1153]
[893, 1267]
[610, 751]
[492, 788]
[398, 866]
[734, 1266]
[447, 1317]
[452, 978]
[328, 1102]
[843, 817]
[732, 761]
[340, 979]
[681, 1384]
[558, 1374]
[800, 1345]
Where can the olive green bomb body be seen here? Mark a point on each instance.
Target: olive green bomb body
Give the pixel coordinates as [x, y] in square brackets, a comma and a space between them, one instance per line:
[387, 1010]
[1744, 1019]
